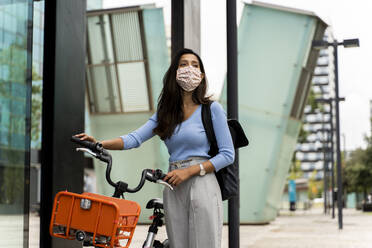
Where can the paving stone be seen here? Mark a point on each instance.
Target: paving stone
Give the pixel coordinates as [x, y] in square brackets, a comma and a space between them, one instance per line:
[301, 229]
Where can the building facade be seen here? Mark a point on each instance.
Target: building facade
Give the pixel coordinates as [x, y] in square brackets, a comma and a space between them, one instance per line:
[314, 152]
[127, 57]
[15, 100]
[274, 81]
[94, 4]
[21, 76]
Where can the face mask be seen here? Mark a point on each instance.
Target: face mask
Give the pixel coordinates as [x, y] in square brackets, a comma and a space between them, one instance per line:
[189, 78]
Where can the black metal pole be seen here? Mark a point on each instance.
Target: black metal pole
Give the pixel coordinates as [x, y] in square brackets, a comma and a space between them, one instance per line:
[325, 165]
[339, 176]
[63, 99]
[332, 161]
[177, 26]
[27, 164]
[232, 111]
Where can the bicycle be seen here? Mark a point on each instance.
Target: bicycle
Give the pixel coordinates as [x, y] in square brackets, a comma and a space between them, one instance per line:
[102, 221]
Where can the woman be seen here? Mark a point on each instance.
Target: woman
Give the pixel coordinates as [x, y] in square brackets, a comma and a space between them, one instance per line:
[193, 211]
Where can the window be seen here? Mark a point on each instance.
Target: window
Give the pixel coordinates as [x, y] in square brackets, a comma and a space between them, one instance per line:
[323, 53]
[117, 71]
[15, 81]
[322, 61]
[321, 80]
[321, 71]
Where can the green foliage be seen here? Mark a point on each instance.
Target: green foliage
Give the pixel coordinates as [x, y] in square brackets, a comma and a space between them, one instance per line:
[302, 136]
[295, 171]
[15, 57]
[311, 100]
[35, 76]
[358, 170]
[36, 108]
[313, 189]
[12, 186]
[368, 139]
[12, 183]
[316, 187]
[16, 53]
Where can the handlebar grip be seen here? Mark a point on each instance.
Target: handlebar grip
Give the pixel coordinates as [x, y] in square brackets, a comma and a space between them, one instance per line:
[87, 144]
[159, 174]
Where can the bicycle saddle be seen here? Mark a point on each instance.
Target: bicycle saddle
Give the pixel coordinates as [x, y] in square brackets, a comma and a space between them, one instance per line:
[155, 203]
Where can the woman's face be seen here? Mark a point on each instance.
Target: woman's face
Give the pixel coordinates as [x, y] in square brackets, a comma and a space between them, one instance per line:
[189, 59]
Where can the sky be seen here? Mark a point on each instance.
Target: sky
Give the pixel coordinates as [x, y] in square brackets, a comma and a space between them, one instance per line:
[348, 19]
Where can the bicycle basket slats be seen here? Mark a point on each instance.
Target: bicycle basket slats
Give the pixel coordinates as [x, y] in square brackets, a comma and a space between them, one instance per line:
[105, 221]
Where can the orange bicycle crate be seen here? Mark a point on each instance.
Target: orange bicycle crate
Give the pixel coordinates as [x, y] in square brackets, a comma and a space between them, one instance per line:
[103, 221]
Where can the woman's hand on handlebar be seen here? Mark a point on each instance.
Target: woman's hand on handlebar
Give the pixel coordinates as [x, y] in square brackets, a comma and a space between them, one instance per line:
[178, 176]
[84, 136]
[111, 144]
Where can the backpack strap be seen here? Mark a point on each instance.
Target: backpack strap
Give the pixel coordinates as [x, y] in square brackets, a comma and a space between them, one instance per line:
[208, 126]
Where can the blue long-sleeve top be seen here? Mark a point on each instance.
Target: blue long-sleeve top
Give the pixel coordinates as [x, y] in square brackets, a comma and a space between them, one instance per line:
[189, 138]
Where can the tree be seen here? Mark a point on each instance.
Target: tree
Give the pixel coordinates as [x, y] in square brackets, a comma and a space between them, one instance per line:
[13, 58]
[315, 187]
[311, 100]
[295, 170]
[36, 108]
[358, 171]
[16, 52]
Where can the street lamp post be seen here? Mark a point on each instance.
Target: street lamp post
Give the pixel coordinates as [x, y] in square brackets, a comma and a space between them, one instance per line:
[331, 153]
[338, 145]
[332, 161]
[321, 44]
[232, 112]
[325, 164]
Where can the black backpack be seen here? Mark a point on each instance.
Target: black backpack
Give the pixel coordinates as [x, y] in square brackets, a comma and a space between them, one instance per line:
[227, 177]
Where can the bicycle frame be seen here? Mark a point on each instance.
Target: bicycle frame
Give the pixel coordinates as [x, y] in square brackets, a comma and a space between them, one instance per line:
[104, 221]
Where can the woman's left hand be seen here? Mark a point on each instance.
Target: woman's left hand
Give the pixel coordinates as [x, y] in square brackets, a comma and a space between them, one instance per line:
[178, 176]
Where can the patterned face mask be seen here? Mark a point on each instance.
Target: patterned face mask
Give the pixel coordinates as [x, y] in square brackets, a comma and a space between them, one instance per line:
[189, 78]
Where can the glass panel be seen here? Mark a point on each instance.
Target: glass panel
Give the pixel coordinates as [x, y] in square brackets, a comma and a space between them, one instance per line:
[127, 35]
[91, 94]
[37, 72]
[94, 4]
[14, 140]
[133, 86]
[104, 85]
[100, 41]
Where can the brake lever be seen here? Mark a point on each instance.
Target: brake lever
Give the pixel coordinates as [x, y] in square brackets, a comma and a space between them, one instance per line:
[164, 183]
[86, 150]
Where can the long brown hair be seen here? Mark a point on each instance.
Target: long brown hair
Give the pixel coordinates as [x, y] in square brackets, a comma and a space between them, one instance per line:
[170, 102]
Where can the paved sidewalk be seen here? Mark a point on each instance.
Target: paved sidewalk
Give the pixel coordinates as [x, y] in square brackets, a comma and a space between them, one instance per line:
[302, 229]
[311, 229]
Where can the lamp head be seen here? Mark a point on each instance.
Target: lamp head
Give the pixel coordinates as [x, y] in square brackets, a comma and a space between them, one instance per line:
[351, 43]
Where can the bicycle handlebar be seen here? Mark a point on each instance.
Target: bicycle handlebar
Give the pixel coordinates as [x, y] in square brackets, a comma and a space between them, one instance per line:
[90, 145]
[150, 175]
[94, 147]
[100, 153]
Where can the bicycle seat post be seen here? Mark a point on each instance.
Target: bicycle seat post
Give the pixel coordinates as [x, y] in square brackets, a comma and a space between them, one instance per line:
[153, 229]
[157, 221]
